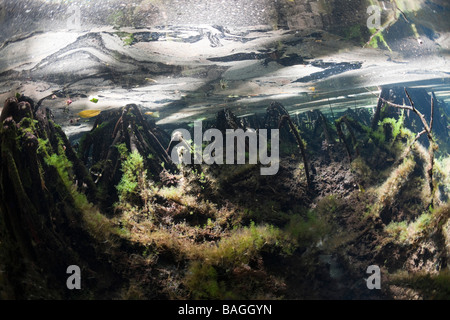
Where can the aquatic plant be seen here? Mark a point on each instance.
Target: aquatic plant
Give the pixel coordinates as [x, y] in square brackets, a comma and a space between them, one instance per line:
[231, 253]
[309, 230]
[377, 37]
[442, 174]
[428, 286]
[392, 136]
[134, 177]
[62, 165]
[396, 125]
[201, 279]
[391, 187]
[361, 169]
[406, 233]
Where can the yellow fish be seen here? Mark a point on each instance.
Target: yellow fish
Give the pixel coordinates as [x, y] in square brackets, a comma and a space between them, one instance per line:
[154, 114]
[312, 89]
[89, 113]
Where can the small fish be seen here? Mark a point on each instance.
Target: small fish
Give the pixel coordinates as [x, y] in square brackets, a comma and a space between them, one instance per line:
[151, 80]
[54, 96]
[312, 89]
[94, 100]
[154, 114]
[89, 113]
[68, 101]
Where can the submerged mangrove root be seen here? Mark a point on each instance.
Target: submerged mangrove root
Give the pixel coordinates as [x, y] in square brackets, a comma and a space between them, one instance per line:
[326, 130]
[277, 111]
[350, 124]
[294, 130]
[272, 120]
[427, 129]
[40, 205]
[226, 119]
[114, 134]
[376, 117]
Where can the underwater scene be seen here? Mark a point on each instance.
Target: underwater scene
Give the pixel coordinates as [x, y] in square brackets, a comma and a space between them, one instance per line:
[224, 150]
